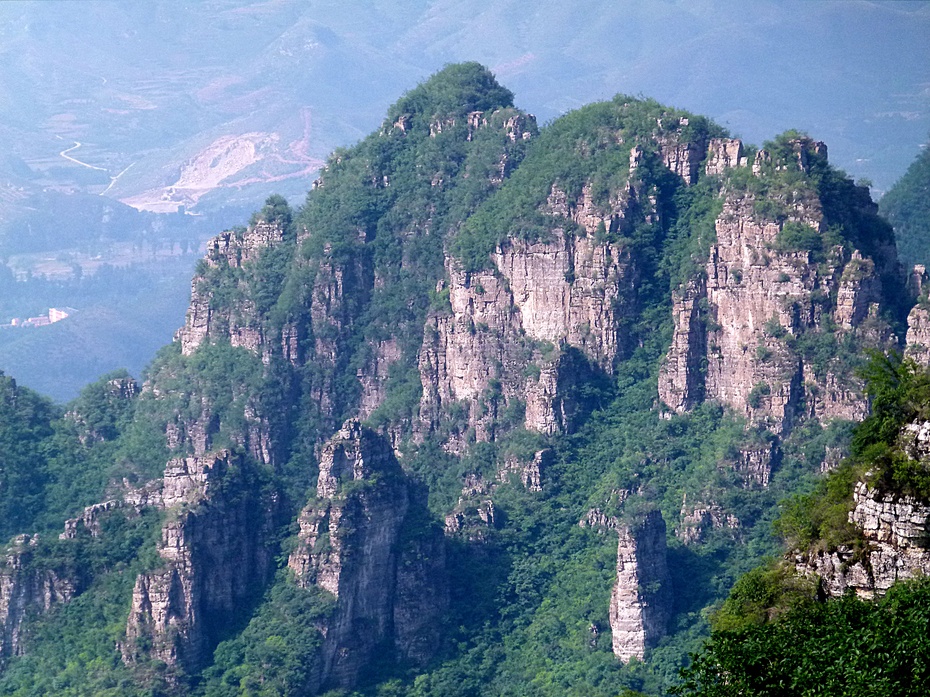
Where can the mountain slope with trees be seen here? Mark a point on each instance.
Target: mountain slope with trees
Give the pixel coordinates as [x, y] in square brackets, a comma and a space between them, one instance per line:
[500, 409]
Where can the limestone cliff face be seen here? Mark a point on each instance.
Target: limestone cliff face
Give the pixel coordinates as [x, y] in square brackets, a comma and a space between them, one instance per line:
[214, 559]
[683, 156]
[895, 531]
[640, 602]
[209, 319]
[698, 518]
[352, 543]
[737, 325]
[516, 332]
[681, 377]
[724, 153]
[918, 335]
[26, 591]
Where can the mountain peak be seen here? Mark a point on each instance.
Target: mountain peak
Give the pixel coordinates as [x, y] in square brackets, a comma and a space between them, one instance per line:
[457, 89]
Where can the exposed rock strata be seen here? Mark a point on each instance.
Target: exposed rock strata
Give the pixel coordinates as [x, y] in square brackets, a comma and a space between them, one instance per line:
[722, 154]
[896, 530]
[918, 335]
[681, 379]
[698, 519]
[214, 560]
[388, 588]
[205, 318]
[530, 474]
[640, 603]
[26, 590]
[757, 298]
[509, 337]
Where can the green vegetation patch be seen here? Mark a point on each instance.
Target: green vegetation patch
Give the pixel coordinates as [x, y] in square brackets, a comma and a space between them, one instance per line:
[840, 647]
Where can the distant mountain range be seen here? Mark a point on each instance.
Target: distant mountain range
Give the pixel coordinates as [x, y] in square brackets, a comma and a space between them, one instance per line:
[207, 105]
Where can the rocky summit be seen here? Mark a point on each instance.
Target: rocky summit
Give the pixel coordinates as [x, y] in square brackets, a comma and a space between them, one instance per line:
[501, 409]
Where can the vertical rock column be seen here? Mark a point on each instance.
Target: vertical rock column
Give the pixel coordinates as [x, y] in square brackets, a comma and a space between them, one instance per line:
[214, 561]
[388, 585]
[640, 602]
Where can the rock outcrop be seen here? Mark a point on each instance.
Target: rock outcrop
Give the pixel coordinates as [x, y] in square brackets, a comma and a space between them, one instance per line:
[515, 333]
[739, 323]
[26, 590]
[356, 542]
[530, 474]
[208, 319]
[896, 534]
[697, 519]
[722, 154]
[918, 335]
[640, 602]
[214, 560]
[894, 529]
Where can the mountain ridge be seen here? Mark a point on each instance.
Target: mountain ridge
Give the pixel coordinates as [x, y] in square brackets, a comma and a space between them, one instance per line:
[624, 322]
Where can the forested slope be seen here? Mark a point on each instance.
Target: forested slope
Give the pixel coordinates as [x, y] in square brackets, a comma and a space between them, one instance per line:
[499, 410]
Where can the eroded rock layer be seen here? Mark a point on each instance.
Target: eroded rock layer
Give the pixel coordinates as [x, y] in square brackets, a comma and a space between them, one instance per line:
[27, 590]
[740, 327]
[389, 589]
[214, 560]
[640, 603]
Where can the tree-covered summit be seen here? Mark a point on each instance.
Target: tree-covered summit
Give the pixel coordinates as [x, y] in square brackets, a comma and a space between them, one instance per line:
[456, 90]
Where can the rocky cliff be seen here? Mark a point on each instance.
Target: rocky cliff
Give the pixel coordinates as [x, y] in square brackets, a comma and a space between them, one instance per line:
[210, 315]
[640, 601]
[896, 546]
[355, 542]
[27, 590]
[758, 292]
[918, 335]
[214, 559]
[775, 285]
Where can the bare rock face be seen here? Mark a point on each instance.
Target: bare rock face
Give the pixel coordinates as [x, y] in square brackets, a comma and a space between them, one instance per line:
[699, 518]
[507, 340]
[755, 463]
[89, 520]
[350, 545]
[375, 374]
[214, 560]
[756, 297]
[26, 591]
[640, 602]
[530, 474]
[568, 289]
[722, 154]
[918, 335]
[896, 530]
[681, 386]
[204, 318]
[682, 156]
